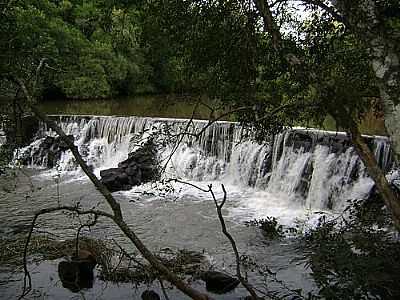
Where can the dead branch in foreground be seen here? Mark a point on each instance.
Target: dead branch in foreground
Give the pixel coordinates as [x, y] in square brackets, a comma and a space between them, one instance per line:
[27, 277]
[116, 215]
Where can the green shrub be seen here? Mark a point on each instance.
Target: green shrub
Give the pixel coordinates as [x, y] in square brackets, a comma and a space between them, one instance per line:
[269, 227]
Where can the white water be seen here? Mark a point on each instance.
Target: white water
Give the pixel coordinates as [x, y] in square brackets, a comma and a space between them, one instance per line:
[298, 171]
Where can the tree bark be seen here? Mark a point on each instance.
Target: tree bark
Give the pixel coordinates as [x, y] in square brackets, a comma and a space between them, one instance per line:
[270, 25]
[367, 22]
[376, 173]
[386, 70]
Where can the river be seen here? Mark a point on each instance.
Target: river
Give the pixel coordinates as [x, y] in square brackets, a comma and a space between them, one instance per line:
[294, 177]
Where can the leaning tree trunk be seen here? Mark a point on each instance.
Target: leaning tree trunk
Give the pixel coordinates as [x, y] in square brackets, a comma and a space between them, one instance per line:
[376, 173]
[363, 22]
[117, 216]
[386, 67]
[371, 25]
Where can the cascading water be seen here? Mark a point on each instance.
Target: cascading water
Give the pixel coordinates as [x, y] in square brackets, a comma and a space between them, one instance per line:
[293, 176]
[316, 169]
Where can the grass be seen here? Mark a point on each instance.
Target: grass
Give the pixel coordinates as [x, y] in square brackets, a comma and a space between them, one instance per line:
[45, 248]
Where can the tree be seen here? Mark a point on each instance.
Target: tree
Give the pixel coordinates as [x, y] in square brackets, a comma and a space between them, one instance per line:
[288, 71]
[376, 24]
[93, 45]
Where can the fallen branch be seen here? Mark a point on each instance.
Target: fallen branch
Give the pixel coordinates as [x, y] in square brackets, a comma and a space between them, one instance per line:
[163, 289]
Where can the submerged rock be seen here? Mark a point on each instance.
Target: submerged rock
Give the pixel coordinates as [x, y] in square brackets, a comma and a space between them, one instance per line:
[218, 282]
[140, 167]
[150, 295]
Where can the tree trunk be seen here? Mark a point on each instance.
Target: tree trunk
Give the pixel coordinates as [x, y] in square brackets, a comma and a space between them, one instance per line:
[369, 24]
[376, 173]
[364, 22]
[386, 65]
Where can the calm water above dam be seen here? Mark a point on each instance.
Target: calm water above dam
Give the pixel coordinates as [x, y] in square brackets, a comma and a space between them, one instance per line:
[145, 106]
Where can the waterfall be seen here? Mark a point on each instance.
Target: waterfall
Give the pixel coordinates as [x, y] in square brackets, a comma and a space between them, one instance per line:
[315, 168]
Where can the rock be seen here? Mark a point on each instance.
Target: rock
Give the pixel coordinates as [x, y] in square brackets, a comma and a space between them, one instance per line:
[47, 153]
[47, 142]
[150, 295]
[86, 257]
[61, 144]
[141, 166]
[77, 273]
[115, 179]
[219, 283]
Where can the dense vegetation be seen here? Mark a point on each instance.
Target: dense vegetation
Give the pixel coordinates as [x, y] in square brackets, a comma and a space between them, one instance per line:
[93, 49]
[268, 63]
[313, 67]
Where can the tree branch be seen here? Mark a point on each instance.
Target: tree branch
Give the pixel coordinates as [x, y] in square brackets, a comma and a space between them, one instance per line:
[117, 214]
[27, 277]
[392, 202]
[89, 224]
[269, 22]
[329, 9]
[219, 207]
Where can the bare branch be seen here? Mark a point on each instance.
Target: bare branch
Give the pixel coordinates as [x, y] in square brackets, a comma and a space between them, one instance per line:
[38, 69]
[329, 9]
[219, 207]
[190, 184]
[117, 214]
[220, 117]
[182, 136]
[89, 224]
[163, 289]
[27, 277]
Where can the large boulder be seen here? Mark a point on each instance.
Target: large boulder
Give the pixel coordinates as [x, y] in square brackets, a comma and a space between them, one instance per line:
[141, 166]
[77, 273]
[115, 179]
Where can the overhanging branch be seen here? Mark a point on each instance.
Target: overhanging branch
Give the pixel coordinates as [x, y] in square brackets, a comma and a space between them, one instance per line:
[117, 213]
